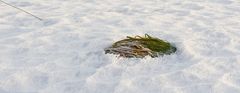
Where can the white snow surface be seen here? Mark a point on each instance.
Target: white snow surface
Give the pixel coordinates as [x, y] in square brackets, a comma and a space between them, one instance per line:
[64, 53]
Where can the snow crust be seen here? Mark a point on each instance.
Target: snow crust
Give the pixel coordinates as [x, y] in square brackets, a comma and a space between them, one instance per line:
[64, 52]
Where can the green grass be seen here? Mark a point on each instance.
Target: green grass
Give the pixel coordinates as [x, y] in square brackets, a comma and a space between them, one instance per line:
[156, 45]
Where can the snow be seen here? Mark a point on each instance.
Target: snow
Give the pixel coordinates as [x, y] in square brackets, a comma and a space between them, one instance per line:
[64, 52]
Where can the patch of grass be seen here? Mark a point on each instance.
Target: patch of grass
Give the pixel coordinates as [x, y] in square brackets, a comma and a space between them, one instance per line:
[140, 47]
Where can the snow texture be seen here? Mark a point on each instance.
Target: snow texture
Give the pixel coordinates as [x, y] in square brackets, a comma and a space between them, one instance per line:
[64, 53]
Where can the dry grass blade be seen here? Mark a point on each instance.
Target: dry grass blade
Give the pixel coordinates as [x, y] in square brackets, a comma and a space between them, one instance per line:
[21, 10]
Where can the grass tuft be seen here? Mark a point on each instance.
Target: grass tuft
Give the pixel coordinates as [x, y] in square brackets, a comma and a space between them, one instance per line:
[141, 46]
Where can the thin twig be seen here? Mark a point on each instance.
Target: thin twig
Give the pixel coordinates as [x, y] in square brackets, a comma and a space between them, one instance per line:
[21, 10]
